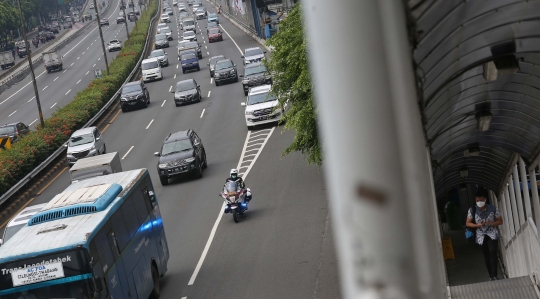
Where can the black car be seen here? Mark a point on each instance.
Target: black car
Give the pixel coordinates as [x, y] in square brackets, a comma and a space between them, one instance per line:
[187, 91]
[134, 94]
[212, 63]
[225, 70]
[14, 131]
[181, 153]
[161, 41]
[255, 74]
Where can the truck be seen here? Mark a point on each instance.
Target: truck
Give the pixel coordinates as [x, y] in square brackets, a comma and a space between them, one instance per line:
[52, 61]
[6, 60]
[95, 166]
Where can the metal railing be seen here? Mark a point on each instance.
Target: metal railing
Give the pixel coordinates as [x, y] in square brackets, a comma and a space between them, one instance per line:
[38, 51]
[62, 148]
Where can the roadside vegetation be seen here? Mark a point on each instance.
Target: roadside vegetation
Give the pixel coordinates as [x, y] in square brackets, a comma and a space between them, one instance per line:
[35, 147]
[292, 82]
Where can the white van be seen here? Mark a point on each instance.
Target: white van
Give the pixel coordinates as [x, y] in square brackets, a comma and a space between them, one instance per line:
[262, 107]
[151, 70]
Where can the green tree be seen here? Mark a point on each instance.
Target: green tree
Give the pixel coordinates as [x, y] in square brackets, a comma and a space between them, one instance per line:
[292, 82]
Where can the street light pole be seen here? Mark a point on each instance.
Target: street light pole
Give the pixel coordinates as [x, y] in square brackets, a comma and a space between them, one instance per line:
[27, 45]
[125, 17]
[101, 36]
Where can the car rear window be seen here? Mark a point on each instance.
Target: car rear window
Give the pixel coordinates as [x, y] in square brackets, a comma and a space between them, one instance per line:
[213, 31]
[131, 88]
[7, 130]
[253, 52]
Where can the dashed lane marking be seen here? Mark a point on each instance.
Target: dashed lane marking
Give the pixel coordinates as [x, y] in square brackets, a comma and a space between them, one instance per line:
[202, 113]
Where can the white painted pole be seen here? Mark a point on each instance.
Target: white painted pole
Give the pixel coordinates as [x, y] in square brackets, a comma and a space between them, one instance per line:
[509, 212]
[525, 188]
[517, 192]
[535, 199]
[510, 192]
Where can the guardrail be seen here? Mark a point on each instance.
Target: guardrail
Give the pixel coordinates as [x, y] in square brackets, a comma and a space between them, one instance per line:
[38, 51]
[62, 148]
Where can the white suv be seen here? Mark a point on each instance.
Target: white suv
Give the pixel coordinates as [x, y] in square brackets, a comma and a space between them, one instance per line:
[114, 45]
[151, 69]
[261, 107]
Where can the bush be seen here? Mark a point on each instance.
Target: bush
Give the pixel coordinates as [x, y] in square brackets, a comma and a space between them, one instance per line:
[35, 147]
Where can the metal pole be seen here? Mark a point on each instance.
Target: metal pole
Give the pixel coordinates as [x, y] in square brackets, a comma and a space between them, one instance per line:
[512, 199]
[384, 241]
[517, 191]
[101, 36]
[29, 56]
[525, 188]
[125, 18]
[535, 199]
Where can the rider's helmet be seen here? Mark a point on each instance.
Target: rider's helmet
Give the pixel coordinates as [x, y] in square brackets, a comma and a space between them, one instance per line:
[234, 174]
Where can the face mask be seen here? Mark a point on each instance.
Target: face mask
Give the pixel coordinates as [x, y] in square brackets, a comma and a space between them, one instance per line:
[480, 204]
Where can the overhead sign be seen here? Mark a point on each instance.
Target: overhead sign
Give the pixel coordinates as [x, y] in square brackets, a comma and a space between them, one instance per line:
[98, 73]
[37, 274]
[5, 143]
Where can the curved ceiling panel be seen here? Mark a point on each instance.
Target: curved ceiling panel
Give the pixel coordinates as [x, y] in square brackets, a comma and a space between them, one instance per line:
[458, 45]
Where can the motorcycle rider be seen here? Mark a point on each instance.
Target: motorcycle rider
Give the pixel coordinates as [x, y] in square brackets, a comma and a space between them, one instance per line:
[235, 178]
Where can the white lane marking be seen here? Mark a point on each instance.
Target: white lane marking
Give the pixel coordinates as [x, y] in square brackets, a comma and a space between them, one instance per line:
[72, 63]
[260, 143]
[170, 89]
[206, 47]
[99, 58]
[64, 71]
[174, 76]
[68, 91]
[184, 298]
[211, 80]
[177, 66]
[204, 42]
[12, 113]
[83, 53]
[53, 105]
[80, 41]
[202, 113]
[214, 228]
[31, 99]
[56, 79]
[231, 39]
[78, 57]
[33, 122]
[78, 81]
[163, 103]
[209, 93]
[94, 65]
[150, 124]
[45, 88]
[257, 139]
[127, 152]
[87, 48]
[208, 53]
[87, 73]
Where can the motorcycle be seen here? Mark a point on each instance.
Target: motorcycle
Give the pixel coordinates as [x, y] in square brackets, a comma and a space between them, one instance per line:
[236, 199]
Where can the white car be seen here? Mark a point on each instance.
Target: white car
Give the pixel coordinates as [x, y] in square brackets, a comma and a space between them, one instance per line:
[175, 3]
[114, 45]
[165, 18]
[261, 107]
[189, 36]
[167, 31]
[162, 25]
[195, 6]
[151, 69]
[92, 6]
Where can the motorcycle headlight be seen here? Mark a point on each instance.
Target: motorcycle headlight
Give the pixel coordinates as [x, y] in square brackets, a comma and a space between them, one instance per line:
[232, 198]
[162, 165]
[188, 160]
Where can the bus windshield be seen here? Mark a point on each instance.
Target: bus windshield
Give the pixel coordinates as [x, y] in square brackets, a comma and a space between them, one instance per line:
[75, 289]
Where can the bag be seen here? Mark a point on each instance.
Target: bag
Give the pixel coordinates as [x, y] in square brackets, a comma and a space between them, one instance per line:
[470, 233]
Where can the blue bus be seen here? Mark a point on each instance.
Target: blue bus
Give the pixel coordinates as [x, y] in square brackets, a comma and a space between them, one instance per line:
[100, 238]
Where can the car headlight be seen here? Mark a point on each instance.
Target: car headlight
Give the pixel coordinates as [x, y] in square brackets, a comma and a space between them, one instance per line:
[162, 165]
[245, 81]
[216, 75]
[184, 63]
[249, 112]
[233, 71]
[139, 96]
[188, 160]
[158, 71]
[123, 99]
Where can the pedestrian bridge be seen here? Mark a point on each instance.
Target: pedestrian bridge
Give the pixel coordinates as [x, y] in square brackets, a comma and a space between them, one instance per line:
[427, 101]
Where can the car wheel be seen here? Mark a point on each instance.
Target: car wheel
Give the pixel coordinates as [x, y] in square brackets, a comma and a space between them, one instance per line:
[250, 128]
[124, 109]
[176, 104]
[164, 181]
[236, 80]
[217, 83]
[198, 68]
[104, 149]
[198, 171]
[246, 93]
[145, 104]
[183, 71]
[205, 165]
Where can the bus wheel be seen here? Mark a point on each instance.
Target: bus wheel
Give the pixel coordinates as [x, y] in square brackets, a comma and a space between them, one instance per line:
[157, 289]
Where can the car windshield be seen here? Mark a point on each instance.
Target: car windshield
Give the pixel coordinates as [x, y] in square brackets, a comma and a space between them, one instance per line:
[213, 31]
[166, 16]
[223, 65]
[254, 52]
[165, 30]
[260, 98]
[189, 23]
[157, 53]
[7, 130]
[184, 85]
[189, 34]
[254, 70]
[191, 45]
[131, 88]
[212, 15]
[188, 56]
[161, 37]
[212, 24]
[213, 60]
[176, 147]
[81, 139]
[150, 65]
[200, 9]
[114, 41]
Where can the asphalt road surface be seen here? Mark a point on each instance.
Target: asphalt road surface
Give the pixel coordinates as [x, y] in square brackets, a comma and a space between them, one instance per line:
[283, 245]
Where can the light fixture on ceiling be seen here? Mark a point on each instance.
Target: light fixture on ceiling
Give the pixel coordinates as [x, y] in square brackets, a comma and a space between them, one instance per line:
[464, 173]
[504, 61]
[472, 151]
[483, 119]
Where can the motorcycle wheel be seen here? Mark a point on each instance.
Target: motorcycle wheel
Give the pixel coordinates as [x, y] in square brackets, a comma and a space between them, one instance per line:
[235, 216]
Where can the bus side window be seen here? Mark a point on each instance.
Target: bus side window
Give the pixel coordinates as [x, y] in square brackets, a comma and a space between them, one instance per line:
[150, 200]
[98, 269]
[114, 244]
[140, 206]
[104, 251]
[121, 232]
[130, 216]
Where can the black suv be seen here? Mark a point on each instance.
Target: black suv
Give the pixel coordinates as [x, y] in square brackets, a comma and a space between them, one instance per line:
[225, 70]
[255, 74]
[14, 131]
[212, 63]
[133, 94]
[187, 91]
[181, 153]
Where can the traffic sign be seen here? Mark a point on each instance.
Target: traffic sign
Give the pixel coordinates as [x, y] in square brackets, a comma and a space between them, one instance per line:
[5, 143]
[98, 74]
[448, 250]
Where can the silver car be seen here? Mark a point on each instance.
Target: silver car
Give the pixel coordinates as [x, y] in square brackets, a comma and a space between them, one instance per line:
[84, 143]
[161, 56]
[251, 55]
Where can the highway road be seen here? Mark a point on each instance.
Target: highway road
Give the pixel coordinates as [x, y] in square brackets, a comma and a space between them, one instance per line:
[81, 56]
[283, 246]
